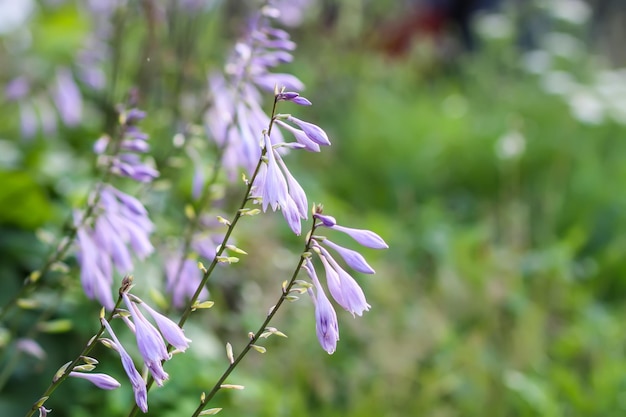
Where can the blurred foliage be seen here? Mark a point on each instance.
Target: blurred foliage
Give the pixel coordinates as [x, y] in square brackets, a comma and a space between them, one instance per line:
[502, 291]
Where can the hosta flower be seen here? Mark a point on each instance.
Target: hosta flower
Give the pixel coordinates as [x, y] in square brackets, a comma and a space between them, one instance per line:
[236, 119]
[119, 227]
[102, 381]
[149, 342]
[342, 286]
[326, 325]
[137, 382]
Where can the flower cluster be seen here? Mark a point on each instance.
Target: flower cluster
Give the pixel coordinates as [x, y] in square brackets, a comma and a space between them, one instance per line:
[342, 286]
[236, 119]
[151, 343]
[119, 224]
[275, 185]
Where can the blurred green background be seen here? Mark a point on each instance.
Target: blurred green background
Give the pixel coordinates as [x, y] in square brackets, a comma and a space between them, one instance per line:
[492, 165]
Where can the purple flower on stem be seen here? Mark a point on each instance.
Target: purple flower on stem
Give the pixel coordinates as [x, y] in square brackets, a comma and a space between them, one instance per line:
[326, 325]
[170, 330]
[342, 286]
[149, 342]
[102, 381]
[236, 118]
[182, 280]
[138, 383]
[122, 225]
[344, 289]
[280, 190]
[43, 411]
[354, 259]
[67, 97]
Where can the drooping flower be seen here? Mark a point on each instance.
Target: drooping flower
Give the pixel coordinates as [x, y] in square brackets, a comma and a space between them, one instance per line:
[326, 325]
[236, 119]
[170, 330]
[138, 383]
[342, 286]
[149, 342]
[102, 381]
[119, 226]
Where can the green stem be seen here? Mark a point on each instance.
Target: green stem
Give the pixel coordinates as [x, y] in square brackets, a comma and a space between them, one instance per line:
[56, 382]
[222, 247]
[254, 339]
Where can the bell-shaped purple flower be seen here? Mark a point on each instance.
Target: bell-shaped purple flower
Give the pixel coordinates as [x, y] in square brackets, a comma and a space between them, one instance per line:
[349, 294]
[149, 342]
[366, 238]
[182, 280]
[102, 381]
[170, 330]
[326, 325]
[354, 259]
[300, 136]
[314, 132]
[138, 383]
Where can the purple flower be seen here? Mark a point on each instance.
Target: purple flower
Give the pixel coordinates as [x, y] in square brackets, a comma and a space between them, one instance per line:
[43, 411]
[236, 119]
[326, 325]
[102, 381]
[280, 190]
[354, 259]
[30, 347]
[170, 330]
[138, 383]
[122, 225]
[182, 280]
[343, 287]
[149, 342]
[366, 238]
[67, 97]
[313, 132]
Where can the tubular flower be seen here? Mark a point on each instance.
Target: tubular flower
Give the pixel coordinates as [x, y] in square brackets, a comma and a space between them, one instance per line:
[102, 381]
[119, 226]
[149, 342]
[326, 325]
[138, 383]
[236, 119]
[342, 286]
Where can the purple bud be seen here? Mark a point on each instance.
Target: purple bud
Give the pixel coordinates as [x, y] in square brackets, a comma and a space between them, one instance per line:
[102, 381]
[314, 132]
[138, 383]
[300, 136]
[366, 238]
[170, 330]
[354, 259]
[16, 88]
[301, 101]
[30, 347]
[100, 146]
[328, 221]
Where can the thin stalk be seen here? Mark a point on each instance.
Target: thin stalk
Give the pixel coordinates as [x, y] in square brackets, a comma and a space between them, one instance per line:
[57, 380]
[222, 247]
[254, 339]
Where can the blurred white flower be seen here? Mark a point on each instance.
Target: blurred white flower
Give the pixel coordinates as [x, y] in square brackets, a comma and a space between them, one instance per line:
[563, 45]
[587, 107]
[537, 61]
[494, 26]
[510, 145]
[14, 14]
[573, 11]
[558, 82]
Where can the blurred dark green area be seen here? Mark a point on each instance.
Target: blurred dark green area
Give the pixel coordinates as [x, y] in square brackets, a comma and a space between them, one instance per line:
[502, 291]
